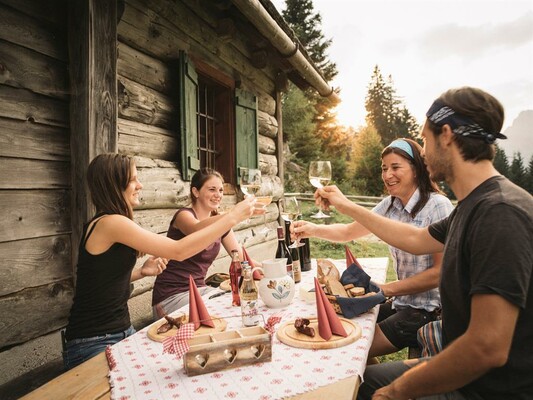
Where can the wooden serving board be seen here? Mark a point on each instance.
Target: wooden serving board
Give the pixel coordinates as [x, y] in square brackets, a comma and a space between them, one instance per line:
[288, 334]
[220, 326]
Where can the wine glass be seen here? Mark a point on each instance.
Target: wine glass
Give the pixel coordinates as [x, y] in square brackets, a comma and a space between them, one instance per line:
[290, 210]
[263, 200]
[319, 176]
[250, 182]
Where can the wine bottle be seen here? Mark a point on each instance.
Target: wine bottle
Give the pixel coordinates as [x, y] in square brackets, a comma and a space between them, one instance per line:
[296, 266]
[305, 255]
[283, 251]
[234, 275]
[248, 294]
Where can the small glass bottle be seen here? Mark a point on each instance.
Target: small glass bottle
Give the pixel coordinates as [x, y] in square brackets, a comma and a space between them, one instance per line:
[234, 275]
[248, 295]
[295, 255]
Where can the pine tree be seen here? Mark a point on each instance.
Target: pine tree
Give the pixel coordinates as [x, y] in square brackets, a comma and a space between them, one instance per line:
[529, 177]
[306, 24]
[366, 162]
[386, 112]
[517, 171]
[500, 161]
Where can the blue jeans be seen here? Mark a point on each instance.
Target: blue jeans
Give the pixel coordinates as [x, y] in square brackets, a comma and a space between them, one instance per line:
[77, 351]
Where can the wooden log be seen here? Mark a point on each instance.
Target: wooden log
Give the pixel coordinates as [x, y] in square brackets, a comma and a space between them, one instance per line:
[266, 103]
[25, 105]
[145, 70]
[142, 104]
[24, 139]
[162, 188]
[34, 312]
[34, 213]
[92, 36]
[268, 164]
[29, 32]
[155, 220]
[24, 68]
[34, 262]
[140, 139]
[226, 30]
[21, 173]
[268, 125]
[142, 31]
[200, 39]
[266, 145]
[260, 58]
[53, 12]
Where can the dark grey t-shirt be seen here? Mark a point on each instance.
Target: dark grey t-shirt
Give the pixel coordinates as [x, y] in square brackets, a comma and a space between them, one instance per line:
[489, 249]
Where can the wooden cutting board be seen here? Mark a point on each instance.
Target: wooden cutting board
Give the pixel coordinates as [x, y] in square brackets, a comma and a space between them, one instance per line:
[288, 334]
[220, 325]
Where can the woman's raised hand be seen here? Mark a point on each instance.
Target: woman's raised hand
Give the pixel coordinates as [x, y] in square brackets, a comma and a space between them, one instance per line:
[331, 196]
[302, 230]
[244, 209]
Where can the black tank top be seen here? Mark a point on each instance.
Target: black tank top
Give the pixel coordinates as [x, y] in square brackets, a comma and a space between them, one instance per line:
[102, 290]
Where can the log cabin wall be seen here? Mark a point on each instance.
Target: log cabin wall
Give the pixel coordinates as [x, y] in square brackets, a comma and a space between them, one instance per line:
[151, 35]
[35, 182]
[36, 155]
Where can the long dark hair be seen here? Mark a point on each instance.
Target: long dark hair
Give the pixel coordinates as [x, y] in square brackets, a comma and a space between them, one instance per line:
[425, 185]
[108, 176]
[198, 180]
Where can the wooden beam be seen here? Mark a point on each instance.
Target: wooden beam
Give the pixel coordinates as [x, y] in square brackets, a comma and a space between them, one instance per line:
[93, 80]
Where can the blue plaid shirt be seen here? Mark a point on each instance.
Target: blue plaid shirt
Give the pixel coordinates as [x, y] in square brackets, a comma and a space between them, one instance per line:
[407, 264]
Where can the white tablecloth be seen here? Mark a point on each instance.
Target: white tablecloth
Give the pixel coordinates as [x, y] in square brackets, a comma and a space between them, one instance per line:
[142, 371]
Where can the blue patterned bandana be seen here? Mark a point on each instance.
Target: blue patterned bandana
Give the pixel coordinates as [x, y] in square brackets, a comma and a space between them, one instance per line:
[441, 114]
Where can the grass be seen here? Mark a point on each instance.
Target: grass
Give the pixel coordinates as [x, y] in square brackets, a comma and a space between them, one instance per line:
[361, 249]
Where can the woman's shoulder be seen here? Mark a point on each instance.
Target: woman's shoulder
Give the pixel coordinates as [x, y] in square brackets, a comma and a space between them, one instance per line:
[439, 198]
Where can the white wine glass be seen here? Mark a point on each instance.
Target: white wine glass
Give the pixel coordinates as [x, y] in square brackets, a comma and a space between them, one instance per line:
[319, 176]
[250, 182]
[290, 210]
[263, 199]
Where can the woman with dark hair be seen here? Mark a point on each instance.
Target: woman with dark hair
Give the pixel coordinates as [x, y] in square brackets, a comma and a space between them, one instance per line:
[415, 199]
[109, 247]
[171, 288]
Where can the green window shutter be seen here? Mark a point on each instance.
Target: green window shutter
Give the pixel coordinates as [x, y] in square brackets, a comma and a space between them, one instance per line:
[188, 83]
[246, 130]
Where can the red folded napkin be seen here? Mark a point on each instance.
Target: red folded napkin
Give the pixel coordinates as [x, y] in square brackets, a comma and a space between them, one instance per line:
[328, 321]
[198, 314]
[257, 274]
[350, 258]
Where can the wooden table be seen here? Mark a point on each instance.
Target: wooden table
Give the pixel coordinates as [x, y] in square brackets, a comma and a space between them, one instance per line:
[90, 379]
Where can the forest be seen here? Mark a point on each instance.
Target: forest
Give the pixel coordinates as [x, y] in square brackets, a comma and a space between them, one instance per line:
[312, 132]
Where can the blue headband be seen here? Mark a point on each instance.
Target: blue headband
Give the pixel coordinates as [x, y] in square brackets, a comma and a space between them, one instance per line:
[441, 114]
[402, 145]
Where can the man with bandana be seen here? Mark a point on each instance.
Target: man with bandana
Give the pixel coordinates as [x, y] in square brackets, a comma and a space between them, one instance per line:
[486, 279]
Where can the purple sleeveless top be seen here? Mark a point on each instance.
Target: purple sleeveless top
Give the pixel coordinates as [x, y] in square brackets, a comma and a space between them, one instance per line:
[175, 278]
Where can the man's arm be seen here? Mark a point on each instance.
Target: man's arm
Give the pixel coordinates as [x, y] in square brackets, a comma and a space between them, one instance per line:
[485, 345]
[401, 235]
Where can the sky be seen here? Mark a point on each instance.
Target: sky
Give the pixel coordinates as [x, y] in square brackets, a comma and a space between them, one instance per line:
[429, 47]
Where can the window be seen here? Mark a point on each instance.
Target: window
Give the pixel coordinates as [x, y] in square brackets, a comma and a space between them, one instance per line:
[218, 123]
[216, 143]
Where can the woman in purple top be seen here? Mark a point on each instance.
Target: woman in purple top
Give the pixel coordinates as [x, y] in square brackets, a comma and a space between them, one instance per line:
[171, 288]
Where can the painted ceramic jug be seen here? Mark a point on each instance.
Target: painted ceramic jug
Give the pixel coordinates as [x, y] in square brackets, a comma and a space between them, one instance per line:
[276, 289]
